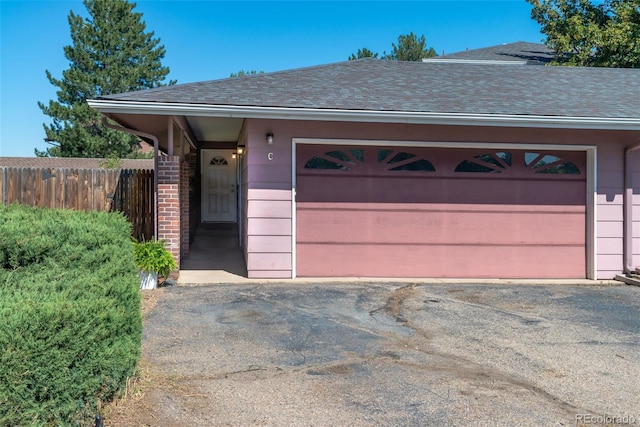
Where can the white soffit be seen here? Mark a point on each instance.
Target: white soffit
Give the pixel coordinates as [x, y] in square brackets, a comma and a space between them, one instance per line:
[215, 129]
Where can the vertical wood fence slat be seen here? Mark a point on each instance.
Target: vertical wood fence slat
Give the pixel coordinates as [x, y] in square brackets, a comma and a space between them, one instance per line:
[25, 188]
[39, 188]
[3, 181]
[11, 185]
[71, 190]
[3, 185]
[84, 177]
[58, 198]
[52, 187]
[128, 191]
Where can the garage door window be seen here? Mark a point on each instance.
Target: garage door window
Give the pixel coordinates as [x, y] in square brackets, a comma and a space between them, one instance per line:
[489, 163]
[389, 160]
[548, 163]
[403, 161]
[336, 160]
[501, 161]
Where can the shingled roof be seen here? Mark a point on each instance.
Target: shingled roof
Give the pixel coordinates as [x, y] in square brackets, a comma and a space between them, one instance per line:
[524, 52]
[425, 87]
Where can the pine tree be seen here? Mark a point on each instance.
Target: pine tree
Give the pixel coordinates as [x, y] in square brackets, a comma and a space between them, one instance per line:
[110, 53]
[410, 48]
[363, 53]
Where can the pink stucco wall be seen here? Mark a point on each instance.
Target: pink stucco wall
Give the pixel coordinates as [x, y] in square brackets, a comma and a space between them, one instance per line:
[268, 231]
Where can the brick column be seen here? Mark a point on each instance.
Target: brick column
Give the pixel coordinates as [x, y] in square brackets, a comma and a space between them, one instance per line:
[169, 203]
[184, 209]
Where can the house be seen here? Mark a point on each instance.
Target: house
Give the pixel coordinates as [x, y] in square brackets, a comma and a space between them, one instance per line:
[518, 53]
[378, 168]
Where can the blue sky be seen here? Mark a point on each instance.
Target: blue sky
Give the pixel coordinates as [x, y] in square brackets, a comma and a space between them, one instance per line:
[208, 40]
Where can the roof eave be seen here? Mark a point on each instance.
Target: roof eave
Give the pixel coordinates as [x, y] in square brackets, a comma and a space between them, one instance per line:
[410, 117]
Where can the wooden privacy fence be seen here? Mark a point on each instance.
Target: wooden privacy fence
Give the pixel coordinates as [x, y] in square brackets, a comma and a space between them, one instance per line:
[129, 191]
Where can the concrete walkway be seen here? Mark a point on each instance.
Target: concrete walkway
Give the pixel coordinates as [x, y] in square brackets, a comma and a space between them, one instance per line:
[215, 256]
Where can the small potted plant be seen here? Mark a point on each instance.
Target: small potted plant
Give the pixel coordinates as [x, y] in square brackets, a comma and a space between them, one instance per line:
[153, 260]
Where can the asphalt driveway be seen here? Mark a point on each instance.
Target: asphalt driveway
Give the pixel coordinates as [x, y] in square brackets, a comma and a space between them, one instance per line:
[395, 354]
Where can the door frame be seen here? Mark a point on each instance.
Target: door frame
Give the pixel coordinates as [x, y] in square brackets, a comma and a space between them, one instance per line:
[203, 171]
[591, 208]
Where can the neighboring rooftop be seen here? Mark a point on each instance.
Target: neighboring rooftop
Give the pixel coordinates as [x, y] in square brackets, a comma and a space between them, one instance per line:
[514, 53]
[375, 85]
[70, 163]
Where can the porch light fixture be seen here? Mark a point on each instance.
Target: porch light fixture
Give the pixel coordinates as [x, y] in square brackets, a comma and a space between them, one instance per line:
[270, 138]
[234, 155]
[240, 151]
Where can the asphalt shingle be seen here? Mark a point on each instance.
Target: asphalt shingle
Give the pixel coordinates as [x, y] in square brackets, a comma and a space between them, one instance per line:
[531, 53]
[433, 87]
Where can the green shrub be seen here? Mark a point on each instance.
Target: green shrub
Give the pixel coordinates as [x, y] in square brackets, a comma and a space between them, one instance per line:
[154, 257]
[70, 323]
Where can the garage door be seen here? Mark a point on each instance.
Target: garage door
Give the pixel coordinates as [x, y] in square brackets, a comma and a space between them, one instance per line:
[432, 212]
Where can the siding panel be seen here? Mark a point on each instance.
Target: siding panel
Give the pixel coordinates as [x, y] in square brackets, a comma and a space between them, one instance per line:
[610, 245]
[611, 197]
[609, 229]
[269, 244]
[609, 212]
[269, 209]
[270, 274]
[269, 261]
[609, 263]
[270, 226]
[270, 173]
[269, 194]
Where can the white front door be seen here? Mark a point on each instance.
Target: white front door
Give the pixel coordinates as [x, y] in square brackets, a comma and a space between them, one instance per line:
[219, 200]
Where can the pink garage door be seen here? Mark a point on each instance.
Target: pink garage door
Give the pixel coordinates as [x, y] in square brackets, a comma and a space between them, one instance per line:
[432, 212]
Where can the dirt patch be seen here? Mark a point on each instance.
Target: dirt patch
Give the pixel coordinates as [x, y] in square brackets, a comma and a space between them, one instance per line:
[393, 305]
[150, 299]
[134, 407]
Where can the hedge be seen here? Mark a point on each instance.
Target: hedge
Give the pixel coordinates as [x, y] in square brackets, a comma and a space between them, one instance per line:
[70, 322]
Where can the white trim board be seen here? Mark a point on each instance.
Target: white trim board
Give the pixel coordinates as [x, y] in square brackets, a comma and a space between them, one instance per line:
[328, 114]
[294, 227]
